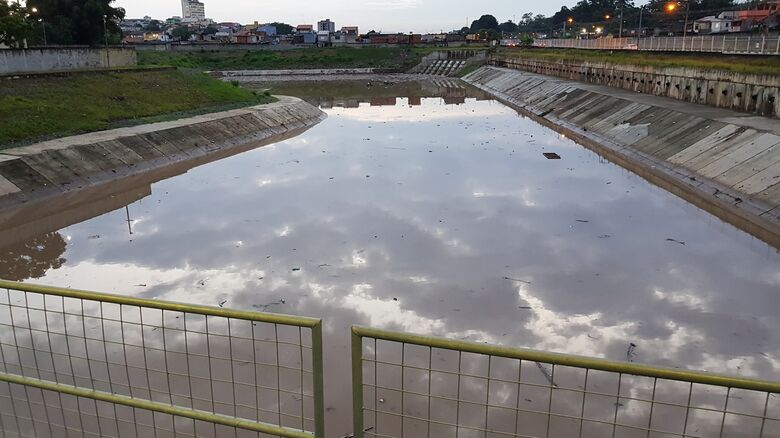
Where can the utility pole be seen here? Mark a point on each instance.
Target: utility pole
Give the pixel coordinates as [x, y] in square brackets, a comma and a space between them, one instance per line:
[620, 32]
[687, 11]
[105, 37]
[639, 30]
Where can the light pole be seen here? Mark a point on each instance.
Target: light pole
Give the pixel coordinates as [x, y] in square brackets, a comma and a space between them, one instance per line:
[671, 7]
[620, 32]
[105, 38]
[639, 29]
[569, 20]
[34, 10]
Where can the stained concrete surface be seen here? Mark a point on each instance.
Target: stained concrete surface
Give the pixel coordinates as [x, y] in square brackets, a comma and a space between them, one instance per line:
[69, 163]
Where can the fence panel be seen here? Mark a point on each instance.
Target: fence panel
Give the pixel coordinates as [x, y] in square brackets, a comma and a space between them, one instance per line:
[77, 363]
[418, 386]
[732, 44]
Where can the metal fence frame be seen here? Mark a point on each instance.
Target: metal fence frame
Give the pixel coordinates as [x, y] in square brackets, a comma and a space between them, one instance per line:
[623, 368]
[315, 325]
[726, 44]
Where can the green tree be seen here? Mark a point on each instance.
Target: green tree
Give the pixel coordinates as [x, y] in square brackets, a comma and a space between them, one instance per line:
[80, 21]
[489, 34]
[181, 33]
[485, 22]
[32, 258]
[283, 28]
[153, 26]
[15, 27]
[508, 27]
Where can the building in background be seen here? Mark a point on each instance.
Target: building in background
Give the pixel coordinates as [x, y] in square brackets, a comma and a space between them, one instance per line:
[267, 29]
[193, 10]
[350, 30]
[305, 28]
[326, 26]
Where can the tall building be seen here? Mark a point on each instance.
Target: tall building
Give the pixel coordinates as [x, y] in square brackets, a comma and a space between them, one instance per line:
[193, 10]
[326, 26]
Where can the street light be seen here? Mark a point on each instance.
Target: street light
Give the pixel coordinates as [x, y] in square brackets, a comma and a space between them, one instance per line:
[34, 10]
[671, 7]
[639, 29]
[569, 20]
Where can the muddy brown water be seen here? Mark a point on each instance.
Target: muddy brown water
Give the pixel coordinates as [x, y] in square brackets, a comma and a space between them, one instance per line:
[434, 215]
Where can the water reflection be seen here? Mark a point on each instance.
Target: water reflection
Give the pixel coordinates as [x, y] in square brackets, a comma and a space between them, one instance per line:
[446, 220]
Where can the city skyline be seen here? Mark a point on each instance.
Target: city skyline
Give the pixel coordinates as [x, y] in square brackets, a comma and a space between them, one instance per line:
[388, 16]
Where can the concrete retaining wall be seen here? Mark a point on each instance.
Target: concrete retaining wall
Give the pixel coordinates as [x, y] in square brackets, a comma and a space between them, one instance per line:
[63, 59]
[710, 158]
[73, 163]
[756, 94]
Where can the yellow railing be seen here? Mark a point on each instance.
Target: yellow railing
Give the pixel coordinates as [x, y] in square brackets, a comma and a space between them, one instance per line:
[99, 364]
[420, 386]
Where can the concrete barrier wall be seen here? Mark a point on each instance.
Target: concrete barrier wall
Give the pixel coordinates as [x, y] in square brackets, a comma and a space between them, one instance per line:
[63, 59]
[756, 94]
[68, 164]
[714, 161]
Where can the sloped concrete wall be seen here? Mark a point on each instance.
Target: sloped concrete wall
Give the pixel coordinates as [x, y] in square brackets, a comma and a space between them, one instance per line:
[727, 168]
[44, 60]
[73, 163]
[756, 94]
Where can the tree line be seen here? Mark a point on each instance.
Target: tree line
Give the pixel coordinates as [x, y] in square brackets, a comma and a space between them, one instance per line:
[604, 12]
[66, 22]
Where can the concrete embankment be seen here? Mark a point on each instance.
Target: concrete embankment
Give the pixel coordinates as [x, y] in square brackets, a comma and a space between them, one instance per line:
[56, 167]
[753, 93]
[724, 162]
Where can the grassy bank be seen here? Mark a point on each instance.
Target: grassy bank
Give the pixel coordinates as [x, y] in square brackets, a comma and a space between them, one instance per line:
[741, 64]
[338, 57]
[45, 107]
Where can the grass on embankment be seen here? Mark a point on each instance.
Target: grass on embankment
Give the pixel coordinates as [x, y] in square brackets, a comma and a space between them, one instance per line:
[392, 58]
[740, 64]
[38, 108]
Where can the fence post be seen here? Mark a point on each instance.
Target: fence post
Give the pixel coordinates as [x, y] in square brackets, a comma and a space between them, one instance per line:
[763, 44]
[749, 48]
[777, 50]
[319, 381]
[357, 385]
[723, 49]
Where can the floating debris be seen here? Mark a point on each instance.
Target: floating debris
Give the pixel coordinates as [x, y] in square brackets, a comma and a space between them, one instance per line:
[546, 374]
[631, 352]
[675, 241]
[296, 269]
[222, 303]
[96, 236]
[517, 280]
[551, 156]
[583, 221]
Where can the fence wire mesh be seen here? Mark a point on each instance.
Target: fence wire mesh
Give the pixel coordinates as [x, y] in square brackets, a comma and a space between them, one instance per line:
[727, 44]
[259, 370]
[413, 386]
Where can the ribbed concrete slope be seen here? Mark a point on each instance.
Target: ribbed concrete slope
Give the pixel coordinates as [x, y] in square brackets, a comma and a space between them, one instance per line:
[76, 162]
[730, 168]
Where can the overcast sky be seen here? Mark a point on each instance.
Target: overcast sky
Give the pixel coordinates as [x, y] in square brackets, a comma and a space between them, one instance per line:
[384, 15]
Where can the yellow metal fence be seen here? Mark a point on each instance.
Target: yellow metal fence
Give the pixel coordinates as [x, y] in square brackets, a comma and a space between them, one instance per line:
[406, 385]
[78, 363]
